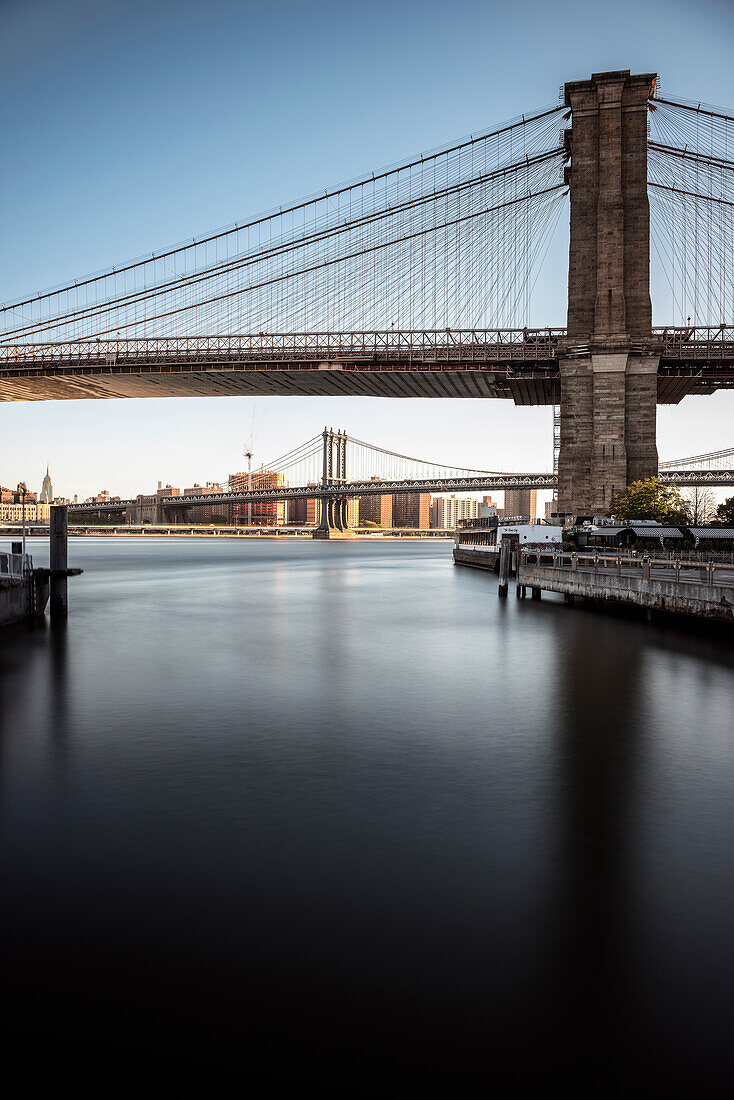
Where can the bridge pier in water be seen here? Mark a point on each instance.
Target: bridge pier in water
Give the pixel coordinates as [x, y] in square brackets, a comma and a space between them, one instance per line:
[334, 519]
[609, 362]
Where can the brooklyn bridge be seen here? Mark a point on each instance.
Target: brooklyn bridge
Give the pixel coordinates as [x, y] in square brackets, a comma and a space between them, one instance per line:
[417, 281]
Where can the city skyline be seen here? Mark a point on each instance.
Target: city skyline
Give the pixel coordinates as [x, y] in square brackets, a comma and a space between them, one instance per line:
[534, 502]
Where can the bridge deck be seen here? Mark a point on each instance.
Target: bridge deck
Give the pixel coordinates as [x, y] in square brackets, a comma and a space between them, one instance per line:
[519, 365]
[490, 481]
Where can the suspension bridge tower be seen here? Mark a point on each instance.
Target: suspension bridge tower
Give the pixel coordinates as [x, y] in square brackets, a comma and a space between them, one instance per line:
[609, 361]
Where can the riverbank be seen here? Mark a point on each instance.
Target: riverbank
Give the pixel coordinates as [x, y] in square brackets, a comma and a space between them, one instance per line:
[193, 531]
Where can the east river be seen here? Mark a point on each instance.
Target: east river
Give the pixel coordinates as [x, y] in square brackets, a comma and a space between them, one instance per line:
[335, 815]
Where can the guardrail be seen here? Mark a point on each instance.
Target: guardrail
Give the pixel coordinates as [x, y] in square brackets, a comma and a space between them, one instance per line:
[615, 564]
[15, 566]
[448, 344]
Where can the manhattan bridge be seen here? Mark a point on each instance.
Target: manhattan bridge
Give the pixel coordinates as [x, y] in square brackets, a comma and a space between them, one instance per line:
[417, 281]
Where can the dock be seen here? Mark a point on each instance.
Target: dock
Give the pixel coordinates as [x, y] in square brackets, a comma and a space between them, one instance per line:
[704, 589]
[24, 589]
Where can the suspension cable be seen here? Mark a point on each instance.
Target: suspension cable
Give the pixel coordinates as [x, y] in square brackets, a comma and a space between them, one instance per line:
[294, 208]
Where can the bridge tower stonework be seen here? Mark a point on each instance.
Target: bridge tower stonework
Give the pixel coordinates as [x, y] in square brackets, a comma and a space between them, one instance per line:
[608, 364]
[334, 519]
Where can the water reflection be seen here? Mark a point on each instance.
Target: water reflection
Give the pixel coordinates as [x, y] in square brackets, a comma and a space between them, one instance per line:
[600, 737]
[424, 831]
[58, 700]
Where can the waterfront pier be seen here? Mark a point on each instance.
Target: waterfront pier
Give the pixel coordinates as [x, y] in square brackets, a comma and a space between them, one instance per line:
[25, 589]
[704, 589]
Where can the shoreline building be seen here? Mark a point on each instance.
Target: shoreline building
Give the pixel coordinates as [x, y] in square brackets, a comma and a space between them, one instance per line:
[521, 502]
[304, 512]
[411, 510]
[11, 506]
[207, 513]
[446, 511]
[353, 513]
[376, 508]
[35, 511]
[265, 513]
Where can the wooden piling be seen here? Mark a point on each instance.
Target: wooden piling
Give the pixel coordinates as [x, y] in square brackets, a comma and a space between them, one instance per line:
[507, 546]
[58, 560]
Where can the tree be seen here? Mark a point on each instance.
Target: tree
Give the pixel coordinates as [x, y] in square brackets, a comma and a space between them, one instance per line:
[725, 513]
[650, 499]
[700, 504]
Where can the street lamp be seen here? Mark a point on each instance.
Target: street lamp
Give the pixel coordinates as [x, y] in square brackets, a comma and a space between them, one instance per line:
[22, 489]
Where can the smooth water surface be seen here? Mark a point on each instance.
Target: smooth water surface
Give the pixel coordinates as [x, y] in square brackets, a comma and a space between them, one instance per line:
[334, 813]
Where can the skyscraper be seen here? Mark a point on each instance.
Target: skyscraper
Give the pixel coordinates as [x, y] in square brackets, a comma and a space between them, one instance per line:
[447, 511]
[265, 513]
[47, 490]
[521, 502]
[376, 508]
[411, 509]
[305, 509]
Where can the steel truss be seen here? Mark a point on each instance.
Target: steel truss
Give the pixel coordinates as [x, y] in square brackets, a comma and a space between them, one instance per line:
[423, 485]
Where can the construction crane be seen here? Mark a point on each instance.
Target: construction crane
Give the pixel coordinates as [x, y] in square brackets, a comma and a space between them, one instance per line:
[248, 456]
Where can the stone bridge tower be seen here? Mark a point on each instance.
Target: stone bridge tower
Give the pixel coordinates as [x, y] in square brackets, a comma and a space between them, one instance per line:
[608, 363]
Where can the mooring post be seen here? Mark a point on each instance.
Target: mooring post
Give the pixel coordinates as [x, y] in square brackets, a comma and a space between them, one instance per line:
[504, 567]
[506, 547]
[58, 560]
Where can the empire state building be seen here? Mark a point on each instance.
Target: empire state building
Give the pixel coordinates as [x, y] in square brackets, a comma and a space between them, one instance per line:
[47, 490]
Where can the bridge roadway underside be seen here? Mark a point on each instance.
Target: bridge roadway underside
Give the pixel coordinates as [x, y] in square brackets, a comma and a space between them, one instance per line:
[530, 382]
[538, 385]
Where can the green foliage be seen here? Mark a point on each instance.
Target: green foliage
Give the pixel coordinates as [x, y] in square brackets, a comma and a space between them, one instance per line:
[725, 513]
[92, 519]
[650, 499]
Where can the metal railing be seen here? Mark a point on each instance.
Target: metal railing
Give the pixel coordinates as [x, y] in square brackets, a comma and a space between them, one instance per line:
[630, 564]
[368, 348]
[440, 345]
[697, 342]
[15, 566]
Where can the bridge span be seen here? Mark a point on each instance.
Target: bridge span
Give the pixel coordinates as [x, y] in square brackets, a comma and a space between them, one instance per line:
[417, 281]
[521, 365]
[317, 470]
[497, 482]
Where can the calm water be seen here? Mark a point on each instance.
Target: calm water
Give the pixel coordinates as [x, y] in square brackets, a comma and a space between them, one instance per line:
[336, 814]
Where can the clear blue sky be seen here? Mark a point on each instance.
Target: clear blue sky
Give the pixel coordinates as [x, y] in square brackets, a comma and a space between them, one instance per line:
[128, 126]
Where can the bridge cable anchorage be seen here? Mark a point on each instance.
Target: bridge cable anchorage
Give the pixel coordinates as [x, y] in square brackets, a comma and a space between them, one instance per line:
[691, 182]
[454, 238]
